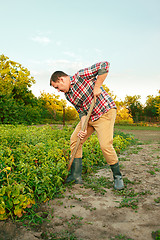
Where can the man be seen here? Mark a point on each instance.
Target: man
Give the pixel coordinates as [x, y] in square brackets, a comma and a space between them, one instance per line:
[80, 89]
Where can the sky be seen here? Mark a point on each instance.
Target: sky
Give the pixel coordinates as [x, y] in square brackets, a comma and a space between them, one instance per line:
[68, 35]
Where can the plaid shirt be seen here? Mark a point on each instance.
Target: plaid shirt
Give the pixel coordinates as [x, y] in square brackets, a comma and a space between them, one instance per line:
[81, 91]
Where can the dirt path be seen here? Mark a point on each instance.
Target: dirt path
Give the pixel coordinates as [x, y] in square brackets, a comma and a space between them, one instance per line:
[84, 213]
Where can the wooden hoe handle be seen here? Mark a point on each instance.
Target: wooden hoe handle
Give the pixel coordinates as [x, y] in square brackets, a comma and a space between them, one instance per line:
[78, 141]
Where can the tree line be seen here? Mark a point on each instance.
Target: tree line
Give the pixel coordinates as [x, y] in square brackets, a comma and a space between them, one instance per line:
[19, 105]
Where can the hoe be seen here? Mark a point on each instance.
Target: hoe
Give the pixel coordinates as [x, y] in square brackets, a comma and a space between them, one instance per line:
[78, 141]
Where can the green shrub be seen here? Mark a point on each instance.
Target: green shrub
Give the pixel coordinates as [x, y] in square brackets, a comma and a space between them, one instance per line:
[33, 163]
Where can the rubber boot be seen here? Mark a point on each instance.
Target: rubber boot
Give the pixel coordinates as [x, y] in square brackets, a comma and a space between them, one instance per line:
[118, 181]
[76, 171]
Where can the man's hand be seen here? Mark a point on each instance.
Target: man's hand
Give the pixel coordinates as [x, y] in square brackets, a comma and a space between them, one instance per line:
[82, 134]
[96, 92]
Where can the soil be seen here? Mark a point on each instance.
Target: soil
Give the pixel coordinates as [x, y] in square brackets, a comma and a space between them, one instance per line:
[84, 214]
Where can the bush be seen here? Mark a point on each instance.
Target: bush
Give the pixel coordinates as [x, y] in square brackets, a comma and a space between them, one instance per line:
[123, 116]
[33, 163]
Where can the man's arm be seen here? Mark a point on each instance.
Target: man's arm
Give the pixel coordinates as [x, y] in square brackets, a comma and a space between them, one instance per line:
[97, 91]
[100, 70]
[82, 134]
[100, 79]
[95, 70]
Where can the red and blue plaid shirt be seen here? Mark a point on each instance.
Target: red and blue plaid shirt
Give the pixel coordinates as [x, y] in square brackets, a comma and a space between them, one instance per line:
[81, 91]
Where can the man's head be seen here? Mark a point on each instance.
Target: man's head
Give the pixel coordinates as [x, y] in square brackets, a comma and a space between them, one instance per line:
[60, 81]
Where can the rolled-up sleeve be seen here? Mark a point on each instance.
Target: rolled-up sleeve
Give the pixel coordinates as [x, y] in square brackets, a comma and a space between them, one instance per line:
[102, 71]
[96, 69]
[103, 68]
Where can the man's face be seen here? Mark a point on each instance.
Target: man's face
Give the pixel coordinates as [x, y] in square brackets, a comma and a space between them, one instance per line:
[62, 85]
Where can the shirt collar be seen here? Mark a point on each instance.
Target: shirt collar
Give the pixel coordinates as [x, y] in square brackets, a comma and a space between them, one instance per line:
[72, 80]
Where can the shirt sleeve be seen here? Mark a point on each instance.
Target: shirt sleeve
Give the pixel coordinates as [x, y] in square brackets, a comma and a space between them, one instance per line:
[81, 111]
[94, 70]
[81, 114]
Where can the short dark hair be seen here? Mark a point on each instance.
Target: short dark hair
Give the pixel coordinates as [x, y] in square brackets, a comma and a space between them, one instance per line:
[56, 75]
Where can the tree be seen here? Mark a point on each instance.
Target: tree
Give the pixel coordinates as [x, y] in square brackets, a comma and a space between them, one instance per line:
[111, 94]
[15, 81]
[123, 115]
[134, 106]
[71, 113]
[152, 108]
[53, 104]
[56, 107]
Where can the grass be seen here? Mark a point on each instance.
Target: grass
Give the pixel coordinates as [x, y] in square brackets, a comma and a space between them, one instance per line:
[129, 202]
[156, 235]
[97, 184]
[68, 228]
[151, 172]
[63, 235]
[157, 200]
[33, 218]
[126, 127]
[130, 198]
[120, 237]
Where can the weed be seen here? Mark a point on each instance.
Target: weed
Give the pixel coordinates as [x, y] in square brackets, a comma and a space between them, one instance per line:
[126, 192]
[129, 202]
[157, 200]
[155, 150]
[157, 169]
[76, 217]
[120, 237]
[156, 235]
[63, 235]
[135, 151]
[90, 223]
[59, 203]
[74, 221]
[33, 219]
[151, 172]
[126, 181]
[121, 166]
[155, 164]
[145, 193]
[74, 197]
[72, 206]
[124, 159]
[98, 184]
[89, 207]
[129, 199]
[139, 148]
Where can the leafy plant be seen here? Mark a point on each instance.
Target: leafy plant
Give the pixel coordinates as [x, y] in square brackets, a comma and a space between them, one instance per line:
[156, 235]
[157, 200]
[14, 198]
[129, 202]
[33, 163]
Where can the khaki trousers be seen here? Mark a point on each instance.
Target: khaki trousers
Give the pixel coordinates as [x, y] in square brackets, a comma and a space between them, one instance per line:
[104, 127]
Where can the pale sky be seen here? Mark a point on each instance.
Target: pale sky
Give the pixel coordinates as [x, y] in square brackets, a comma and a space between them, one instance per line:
[67, 35]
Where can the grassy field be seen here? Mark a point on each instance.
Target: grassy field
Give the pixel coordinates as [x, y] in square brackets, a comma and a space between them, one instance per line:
[125, 127]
